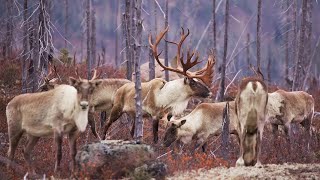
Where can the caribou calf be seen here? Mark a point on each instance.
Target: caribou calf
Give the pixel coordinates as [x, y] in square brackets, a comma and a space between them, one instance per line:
[251, 102]
[62, 110]
[205, 120]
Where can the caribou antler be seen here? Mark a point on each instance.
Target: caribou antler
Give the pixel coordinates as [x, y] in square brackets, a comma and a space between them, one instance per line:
[205, 74]
[77, 73]
[95, 76]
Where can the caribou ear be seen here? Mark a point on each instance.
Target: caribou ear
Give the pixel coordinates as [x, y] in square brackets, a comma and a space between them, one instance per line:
[182, 122]
[72, 81]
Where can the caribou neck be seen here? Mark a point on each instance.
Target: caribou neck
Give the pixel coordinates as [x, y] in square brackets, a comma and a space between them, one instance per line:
[173, 95]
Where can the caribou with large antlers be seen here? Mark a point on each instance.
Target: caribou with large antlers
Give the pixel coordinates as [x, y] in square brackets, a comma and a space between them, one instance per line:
[160, 96]
[59, 111]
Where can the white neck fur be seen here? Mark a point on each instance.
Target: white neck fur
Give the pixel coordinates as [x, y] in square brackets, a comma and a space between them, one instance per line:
[173, 95]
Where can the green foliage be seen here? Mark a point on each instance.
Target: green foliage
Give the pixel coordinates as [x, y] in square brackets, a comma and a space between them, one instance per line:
[64, 57]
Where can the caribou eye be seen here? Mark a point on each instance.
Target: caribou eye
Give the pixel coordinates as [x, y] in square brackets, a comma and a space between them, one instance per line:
[91, 90]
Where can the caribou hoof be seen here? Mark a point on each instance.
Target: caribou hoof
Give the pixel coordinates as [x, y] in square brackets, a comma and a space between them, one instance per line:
[240, 162]
[32, 175]
[258, 164]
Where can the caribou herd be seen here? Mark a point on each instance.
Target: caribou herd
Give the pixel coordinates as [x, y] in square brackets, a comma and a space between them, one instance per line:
[67, 109]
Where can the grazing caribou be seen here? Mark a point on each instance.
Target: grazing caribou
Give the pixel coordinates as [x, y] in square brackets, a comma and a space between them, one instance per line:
[159, 96]
[251, 102]
[205, 120]
[285, 108]
[59, 111]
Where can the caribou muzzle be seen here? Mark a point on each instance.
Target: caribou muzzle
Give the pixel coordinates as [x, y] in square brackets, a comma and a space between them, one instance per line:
[84, 105]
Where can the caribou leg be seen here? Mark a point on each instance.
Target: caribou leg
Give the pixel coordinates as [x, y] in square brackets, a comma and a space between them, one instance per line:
[115, 114]
[306, 123]
[288, 132]
[92, 124]
[58, 143]
[14, 138]
[31, 142]
[103, 118]
[155, 125]
[133, 127]
[73, 134]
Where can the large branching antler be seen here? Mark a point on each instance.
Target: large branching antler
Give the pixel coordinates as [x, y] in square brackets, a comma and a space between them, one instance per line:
[205, 74]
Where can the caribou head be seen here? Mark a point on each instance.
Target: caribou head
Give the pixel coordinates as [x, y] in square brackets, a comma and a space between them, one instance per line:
[198, 82]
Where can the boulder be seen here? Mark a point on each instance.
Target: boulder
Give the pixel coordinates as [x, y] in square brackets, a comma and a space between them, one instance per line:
[152, 169]
[111, 158]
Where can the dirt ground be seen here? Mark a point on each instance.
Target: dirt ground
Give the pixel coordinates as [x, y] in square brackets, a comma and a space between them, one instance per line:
[269, 171]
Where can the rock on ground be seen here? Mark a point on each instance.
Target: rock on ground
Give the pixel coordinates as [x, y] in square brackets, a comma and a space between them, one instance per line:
[270, 171]
[111, 158]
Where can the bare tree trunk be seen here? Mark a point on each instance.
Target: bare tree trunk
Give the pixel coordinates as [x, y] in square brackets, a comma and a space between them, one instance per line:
[25, 56]
[248, 49]
[166, 58]
[220, 93]
[308, 51]
[294, 38]
[152, 73]
[225, 131]
[214, 24]
[88, 8]
[286, 40]
[35, 58]
[44, 37]
[9, 30]
[93, 39]
[128, 40]
[66, 22]
[137, 45]
[258, 34]
[116, 49]
[269, 65]
[298, 69]
[132, 31]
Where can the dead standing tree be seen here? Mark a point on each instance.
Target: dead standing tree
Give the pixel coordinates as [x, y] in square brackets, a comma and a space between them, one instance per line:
[137, 53]
[259, 36]
[166, 58]
[40, 43]
[25, 55]
[88, 10]
[214, 31]
[286, 9]
[8, 45]
[116, 56]
[66, 14]
[220, 93]
[298, 73]
[126, 34]
[93, 39]
[152, 73]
